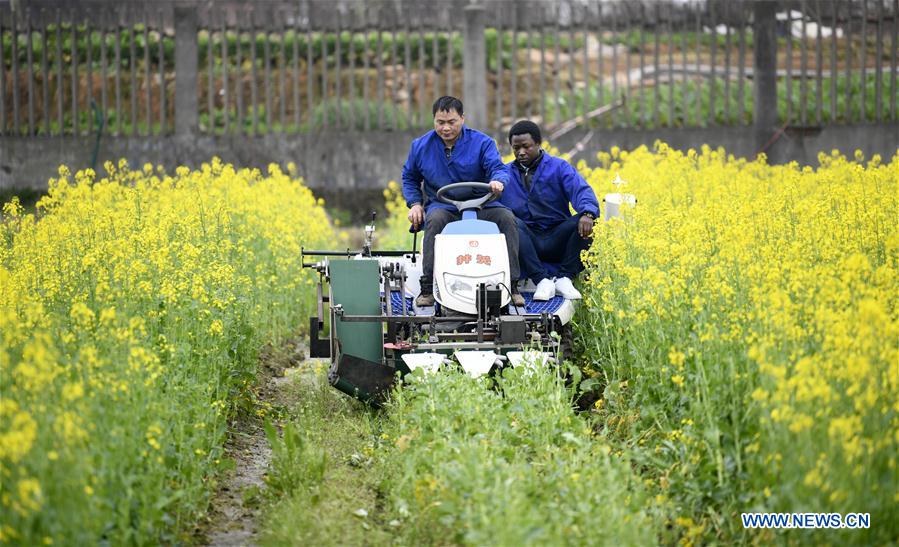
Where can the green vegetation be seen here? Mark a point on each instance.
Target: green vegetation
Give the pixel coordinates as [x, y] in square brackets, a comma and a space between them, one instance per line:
[294, 45]
[453, 460]
[741, 323]
[132, 312]
[322, 488]
[89, 45]
[697, 101]
[356, 114]
[475, 462]
[288, 55]
[633, 40]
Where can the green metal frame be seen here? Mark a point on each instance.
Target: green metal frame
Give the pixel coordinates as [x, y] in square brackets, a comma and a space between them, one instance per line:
[355, 285]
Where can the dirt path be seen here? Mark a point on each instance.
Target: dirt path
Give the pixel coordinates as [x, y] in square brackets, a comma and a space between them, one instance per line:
[234, 510]
[232, 515]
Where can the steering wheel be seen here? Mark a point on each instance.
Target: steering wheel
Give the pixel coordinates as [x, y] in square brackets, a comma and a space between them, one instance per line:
[474, 203]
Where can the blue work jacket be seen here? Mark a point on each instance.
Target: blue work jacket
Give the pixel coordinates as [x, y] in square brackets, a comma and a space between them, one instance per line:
[554, 185]
[474, 158]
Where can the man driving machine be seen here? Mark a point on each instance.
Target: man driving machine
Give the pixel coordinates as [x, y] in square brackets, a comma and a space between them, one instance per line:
[448, 154]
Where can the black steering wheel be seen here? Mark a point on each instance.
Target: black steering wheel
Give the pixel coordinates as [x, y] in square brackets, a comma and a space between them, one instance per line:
[474, 203]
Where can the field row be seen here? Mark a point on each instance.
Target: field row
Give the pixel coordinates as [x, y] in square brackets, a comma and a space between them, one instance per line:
[743, 324]
[131, 314]
[738, 332]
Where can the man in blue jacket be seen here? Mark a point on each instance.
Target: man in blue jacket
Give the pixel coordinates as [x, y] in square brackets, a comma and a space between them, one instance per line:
[454, 153]
[539, 192]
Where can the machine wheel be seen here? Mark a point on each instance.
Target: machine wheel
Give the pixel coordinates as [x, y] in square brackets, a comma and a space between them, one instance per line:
[566, 343]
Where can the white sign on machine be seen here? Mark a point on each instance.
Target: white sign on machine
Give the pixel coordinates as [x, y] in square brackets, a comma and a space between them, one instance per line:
[462, 262]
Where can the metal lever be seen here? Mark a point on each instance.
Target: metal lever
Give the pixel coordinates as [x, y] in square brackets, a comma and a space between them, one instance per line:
[369, 232]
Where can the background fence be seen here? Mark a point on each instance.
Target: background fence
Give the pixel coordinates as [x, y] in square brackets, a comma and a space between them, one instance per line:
[340, 87]
[67, 69]
[71, 67]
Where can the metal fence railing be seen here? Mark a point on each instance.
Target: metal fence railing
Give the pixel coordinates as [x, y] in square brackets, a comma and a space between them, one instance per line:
[293, 68]
[69, 70]
[691, 63]
[72, 68]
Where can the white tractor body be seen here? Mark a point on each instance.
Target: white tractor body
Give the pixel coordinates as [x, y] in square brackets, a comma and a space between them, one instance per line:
[463, 261]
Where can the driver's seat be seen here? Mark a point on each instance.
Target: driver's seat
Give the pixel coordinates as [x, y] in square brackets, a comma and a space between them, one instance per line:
[470, 225]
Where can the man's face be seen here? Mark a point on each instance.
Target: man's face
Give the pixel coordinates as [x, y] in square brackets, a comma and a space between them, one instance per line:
[525, 149]
[448, 124]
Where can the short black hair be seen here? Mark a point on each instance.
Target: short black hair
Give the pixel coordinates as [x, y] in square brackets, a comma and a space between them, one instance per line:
[447, 103]
[525, 127]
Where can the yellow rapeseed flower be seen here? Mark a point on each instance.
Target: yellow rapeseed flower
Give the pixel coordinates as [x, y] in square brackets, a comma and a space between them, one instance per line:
[784, 283]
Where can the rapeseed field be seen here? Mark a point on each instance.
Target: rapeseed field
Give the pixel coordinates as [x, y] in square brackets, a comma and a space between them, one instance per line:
[132, 307]
[739, 331]
[740, 328]
[744, 321]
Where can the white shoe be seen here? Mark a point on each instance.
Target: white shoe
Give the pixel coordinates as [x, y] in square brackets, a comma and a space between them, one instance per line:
[546, 289]
[565, 288]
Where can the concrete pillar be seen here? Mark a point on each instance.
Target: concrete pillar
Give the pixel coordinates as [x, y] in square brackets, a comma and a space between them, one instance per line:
[764, 80]
[186, 60]
[474, 62]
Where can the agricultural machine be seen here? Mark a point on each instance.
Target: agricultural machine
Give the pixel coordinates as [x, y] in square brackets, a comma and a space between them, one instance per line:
[376, 333]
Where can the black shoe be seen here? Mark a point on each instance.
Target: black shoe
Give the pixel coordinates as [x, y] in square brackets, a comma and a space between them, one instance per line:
[426, 292]
[424, 300]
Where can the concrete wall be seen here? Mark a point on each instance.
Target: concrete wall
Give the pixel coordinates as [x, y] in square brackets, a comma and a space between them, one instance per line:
[350, 169]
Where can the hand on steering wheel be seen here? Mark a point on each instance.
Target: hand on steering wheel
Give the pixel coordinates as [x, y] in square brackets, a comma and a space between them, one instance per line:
[474, 203]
